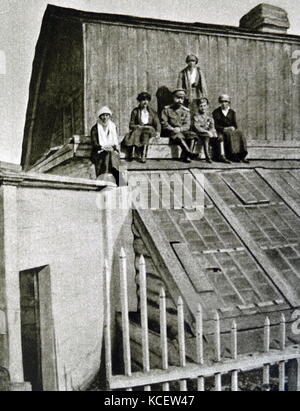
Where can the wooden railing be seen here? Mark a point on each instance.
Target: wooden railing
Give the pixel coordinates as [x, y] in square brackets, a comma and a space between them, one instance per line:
[202, 369]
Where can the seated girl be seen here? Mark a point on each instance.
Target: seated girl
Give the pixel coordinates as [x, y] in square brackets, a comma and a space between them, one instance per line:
[105, 146]
[144, 124]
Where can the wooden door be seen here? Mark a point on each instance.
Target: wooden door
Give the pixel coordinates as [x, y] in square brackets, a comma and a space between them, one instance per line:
[30, 329]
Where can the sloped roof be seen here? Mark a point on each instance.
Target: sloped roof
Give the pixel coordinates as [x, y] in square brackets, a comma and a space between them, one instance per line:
[242, 253]
[84, 16]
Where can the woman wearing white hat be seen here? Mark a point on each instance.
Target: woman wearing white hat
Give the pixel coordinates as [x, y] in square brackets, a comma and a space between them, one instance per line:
[105, 146]
[226, 126]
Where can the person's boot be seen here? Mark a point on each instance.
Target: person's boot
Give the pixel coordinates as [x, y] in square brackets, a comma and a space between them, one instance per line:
[184, 152]
[144, 154]
[206, 152]
[184, 157]
[130, 153]
[192, 145]
[187, 153]
[223, 159]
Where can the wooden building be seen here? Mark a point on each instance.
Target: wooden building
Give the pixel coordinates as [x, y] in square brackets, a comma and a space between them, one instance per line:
[239, 257]
[85, 60]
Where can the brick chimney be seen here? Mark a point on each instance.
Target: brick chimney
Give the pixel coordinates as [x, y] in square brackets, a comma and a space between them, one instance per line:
[267, 19]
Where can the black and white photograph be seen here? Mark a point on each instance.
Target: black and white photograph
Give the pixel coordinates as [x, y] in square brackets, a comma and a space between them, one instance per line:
[149, 198]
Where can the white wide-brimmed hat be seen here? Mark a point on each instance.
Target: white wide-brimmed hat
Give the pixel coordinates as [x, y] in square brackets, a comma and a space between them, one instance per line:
[104, 110]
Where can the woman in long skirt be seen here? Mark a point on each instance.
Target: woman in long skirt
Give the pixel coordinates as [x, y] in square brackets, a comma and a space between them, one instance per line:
[105, 146]
[226, 126]
[144, 124]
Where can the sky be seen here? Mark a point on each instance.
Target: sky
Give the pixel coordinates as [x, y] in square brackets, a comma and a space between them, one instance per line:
[20, 23]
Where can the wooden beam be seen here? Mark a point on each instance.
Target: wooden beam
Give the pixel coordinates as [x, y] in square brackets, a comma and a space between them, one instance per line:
[52, 181]
[9, 166]
[192, 268]
[166, 260]
[161, 149]
[192, 371]
[52, 154]
[265, 174]
[246, 322]
[21, 387]
[150, 23]
[292, 295]
[276, 153]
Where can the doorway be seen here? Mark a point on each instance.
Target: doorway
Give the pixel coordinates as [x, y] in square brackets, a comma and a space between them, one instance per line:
[37, 331]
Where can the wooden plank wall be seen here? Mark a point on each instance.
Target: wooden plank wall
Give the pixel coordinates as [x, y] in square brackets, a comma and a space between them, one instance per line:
[121, 61]
[59, 110]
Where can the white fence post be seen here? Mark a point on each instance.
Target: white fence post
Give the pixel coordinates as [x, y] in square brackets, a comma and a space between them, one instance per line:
[181, 340]
[218, 378]
[234, 353]
[199, 345]
[125, 313]
[107, 324]
[181, 374]
[163, 334]
[144, 317]
[282, 347]
[266, 369]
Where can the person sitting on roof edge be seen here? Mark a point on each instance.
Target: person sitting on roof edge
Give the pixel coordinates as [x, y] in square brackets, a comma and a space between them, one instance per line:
[176, 123]
[204, 126]
[227, 128]
[144, 124]
[105, 146]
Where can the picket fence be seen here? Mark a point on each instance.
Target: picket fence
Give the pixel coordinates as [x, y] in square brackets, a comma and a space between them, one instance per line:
[289, 377]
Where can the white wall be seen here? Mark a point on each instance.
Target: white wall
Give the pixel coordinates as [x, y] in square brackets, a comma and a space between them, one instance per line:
[65, 230]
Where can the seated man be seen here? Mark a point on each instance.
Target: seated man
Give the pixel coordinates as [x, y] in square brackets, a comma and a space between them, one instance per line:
[144, 124]
[105, 152]
[226, 125]
[204, 126]
[176, 123]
